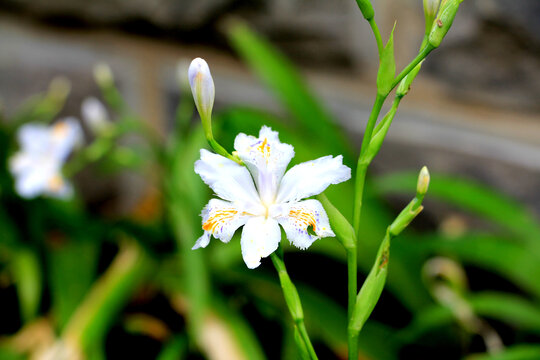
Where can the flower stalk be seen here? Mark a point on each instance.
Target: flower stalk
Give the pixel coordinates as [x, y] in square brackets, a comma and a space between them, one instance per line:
[293, 303]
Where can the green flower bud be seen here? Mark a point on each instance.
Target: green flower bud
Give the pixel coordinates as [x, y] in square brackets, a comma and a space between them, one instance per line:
[366, 9]
[430, 11]
[443, 22]
[423, 182]
[103, 75]
[405, 84]
[59, 89]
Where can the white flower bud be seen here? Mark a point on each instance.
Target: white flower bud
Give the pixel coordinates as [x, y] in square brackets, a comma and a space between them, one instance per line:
[59, 88]
[431, 7]
[95, 115]
[423, 182]
[202, 87]
[103, 75]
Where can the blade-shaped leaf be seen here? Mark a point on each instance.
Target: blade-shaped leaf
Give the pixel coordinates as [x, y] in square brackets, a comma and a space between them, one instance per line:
[280, 76]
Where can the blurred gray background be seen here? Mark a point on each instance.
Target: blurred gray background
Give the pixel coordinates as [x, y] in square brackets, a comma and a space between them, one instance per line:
[472, 112]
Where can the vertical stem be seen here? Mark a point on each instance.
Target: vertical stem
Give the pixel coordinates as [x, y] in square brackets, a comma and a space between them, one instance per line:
[421, 56]
[303, 333]
[352, 290]
[352, 275]
[379, 101]
[362, 168]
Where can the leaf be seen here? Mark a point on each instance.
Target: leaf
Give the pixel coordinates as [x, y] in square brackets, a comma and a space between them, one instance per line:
[509, 259]
[246, 340]
[174, 349]
[372, 288]
[516, 352]
[507, 308]
[96, 313]
[279, 75]
[72, 267]
[26, 271]
[387, 67]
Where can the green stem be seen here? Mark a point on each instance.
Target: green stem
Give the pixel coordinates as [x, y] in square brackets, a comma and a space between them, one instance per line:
[352, 272]
[377, 35]
[293, 301]
[207, 125]
[107, 296]
[421, 56]
[361, 168]
[221, 150]
[377, 106]
[352, 340]
[303, 333]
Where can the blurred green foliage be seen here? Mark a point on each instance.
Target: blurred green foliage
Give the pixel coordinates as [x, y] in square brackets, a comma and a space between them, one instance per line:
[84, 273]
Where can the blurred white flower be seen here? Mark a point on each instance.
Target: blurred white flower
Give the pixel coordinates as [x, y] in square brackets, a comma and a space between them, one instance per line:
[95, 115]
[202, 87]
[38, 164]
[262, 196]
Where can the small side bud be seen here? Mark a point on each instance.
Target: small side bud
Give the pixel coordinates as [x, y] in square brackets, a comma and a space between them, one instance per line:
[405, 84]
[430, 8]
[95, 115]
[430, 11]
[443, 22]
[202, 87]
[103, 75]
[59, 88]
[423, 182]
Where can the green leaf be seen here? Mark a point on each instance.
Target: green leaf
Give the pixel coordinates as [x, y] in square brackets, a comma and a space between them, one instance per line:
[280, 76]
[240, 329]
[342, 228]
[174, 349]
[105, 299]
[507, 308]
[509, 259]
[72, 267]
[371, 290]
[26, 271]
[387, 67]
[516, 352]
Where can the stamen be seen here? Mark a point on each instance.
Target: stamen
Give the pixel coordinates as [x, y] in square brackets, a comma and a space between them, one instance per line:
[306, 218]
[55, 183]
[60, 129]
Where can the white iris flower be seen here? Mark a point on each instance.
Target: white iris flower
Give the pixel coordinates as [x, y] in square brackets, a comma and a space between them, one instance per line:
[44, 149]
[262, 196]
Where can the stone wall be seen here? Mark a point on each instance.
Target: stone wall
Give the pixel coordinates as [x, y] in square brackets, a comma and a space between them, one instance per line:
[472, 112]
[490, 57]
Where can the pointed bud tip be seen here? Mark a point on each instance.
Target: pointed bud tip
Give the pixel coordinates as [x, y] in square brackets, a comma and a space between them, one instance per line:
[60, 88]
[423, 181]
[202, 87]
[431, 7]
[198, 67]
